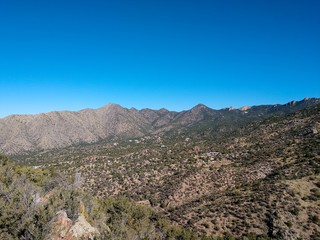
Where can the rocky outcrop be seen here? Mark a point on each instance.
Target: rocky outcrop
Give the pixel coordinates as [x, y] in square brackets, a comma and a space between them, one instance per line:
[59, 227]
[82, 229]
[62, 228]
[244, 108]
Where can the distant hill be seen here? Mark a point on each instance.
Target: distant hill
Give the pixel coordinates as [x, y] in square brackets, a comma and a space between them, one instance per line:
[54, 130]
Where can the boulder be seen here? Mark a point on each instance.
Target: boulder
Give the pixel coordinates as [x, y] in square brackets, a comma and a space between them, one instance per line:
[63, 228]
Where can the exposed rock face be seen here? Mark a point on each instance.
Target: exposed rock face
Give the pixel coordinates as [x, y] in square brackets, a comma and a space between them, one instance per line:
[82, 229]
[62, 228]
[59, 227]
[291, 103]
[22, 133]
[244, 108]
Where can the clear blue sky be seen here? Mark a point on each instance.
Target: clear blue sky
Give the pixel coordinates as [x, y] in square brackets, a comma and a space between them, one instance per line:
[70, 55]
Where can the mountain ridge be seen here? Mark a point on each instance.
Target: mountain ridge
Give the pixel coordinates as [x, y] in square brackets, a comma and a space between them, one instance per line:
[261, 177]
[25, 132]
[161, 109]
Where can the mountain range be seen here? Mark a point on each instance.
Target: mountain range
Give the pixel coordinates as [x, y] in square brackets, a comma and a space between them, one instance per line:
[58, 129]
[248, 173]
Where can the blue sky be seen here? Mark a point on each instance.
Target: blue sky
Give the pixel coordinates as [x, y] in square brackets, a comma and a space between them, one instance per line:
[70, 55]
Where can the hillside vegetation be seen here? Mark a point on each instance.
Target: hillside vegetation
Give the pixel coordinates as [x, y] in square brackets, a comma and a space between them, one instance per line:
[258, 179]
[42, 204]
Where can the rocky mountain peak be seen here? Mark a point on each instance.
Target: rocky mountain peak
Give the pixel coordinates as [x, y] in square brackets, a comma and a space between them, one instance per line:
[163, 110]
[244, 108]
[291, 103]
[111, 106]
[200, 106]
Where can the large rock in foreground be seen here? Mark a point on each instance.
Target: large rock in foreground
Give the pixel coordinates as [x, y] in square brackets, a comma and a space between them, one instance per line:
[62, 228]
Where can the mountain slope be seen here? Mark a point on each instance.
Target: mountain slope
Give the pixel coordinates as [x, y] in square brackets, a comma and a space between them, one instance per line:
[21, 133]
[262, 177]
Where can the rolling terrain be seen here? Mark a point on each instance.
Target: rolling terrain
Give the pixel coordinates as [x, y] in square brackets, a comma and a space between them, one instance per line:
[249, 172]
